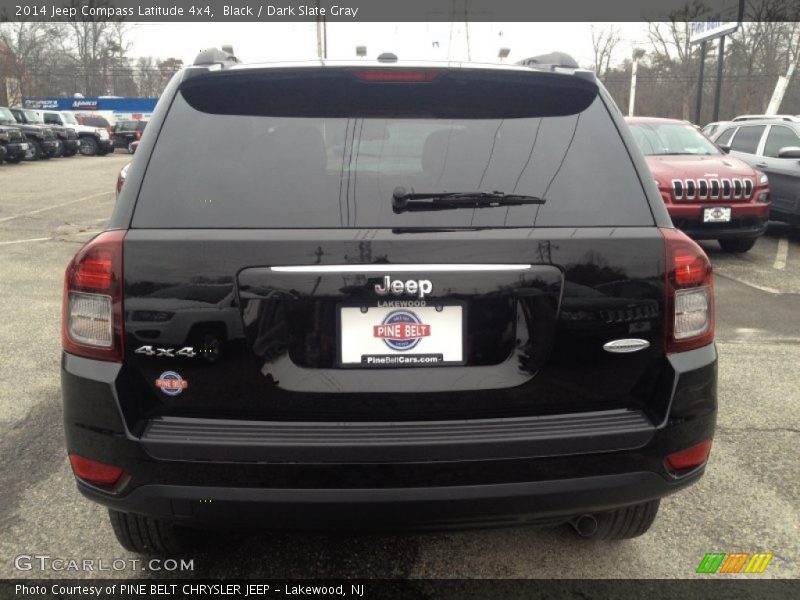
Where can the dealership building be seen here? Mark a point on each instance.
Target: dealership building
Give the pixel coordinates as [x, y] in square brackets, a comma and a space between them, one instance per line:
[109, 106]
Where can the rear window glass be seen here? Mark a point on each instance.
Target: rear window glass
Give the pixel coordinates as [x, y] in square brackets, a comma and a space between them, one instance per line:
[242, 171]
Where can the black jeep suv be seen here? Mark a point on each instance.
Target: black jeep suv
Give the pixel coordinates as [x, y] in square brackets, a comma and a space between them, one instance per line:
[388, 295]
[42, 140]
[13, 143]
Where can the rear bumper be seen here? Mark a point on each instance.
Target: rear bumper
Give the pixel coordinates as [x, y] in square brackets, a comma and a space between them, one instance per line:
[380, 475]
[748, 221]
[552, 501]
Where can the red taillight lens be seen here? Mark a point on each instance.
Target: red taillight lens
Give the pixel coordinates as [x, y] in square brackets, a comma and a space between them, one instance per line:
[138, 135]
[397, 75]
[690, 458]
[92, 307]
[93, 471]
[689, 269]
[689, 289]
[95, 271]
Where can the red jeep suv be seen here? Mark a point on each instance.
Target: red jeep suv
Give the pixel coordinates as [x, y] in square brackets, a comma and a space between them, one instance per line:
[709, 194]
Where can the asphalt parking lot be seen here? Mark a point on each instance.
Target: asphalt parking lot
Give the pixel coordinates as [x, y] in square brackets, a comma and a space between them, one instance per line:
[747, 501]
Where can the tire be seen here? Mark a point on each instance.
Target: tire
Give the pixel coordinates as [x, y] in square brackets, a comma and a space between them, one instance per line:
[737, 244]
[147, 535]
[59, 151]
[624, 523]
[16, 159]
[89, 145]
[34, 151]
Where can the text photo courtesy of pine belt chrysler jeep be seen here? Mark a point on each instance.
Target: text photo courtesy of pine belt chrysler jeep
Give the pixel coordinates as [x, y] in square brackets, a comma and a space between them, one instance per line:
[390, 295]
[708, 193]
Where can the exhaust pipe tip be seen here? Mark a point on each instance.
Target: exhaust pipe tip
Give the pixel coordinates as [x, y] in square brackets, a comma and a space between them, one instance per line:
[584, 525]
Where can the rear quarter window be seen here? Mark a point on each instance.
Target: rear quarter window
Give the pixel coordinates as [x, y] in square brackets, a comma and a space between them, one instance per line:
[747, 138]
[243, 171]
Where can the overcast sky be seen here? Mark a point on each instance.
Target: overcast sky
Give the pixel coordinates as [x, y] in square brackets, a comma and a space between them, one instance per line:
[254, 42]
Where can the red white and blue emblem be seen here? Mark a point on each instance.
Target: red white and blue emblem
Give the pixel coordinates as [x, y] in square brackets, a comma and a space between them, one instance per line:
[171, 383]
[401, 330]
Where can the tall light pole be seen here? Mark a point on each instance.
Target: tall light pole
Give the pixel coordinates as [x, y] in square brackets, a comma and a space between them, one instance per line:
[638, 53]
[322, 35]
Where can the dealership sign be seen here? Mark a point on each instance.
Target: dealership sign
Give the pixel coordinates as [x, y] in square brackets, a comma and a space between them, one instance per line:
[97, 103]
[84, 105]
[703, 31]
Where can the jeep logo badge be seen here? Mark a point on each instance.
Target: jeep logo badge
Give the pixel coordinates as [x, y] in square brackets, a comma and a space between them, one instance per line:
[397, 287]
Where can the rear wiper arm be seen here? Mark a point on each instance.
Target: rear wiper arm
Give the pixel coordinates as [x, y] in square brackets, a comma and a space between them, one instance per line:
[403, 201]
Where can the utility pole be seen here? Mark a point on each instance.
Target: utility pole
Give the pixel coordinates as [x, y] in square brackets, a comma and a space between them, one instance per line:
[637, 54]
[699, 107]
[322, 35]
[720, 64]
[783, 80]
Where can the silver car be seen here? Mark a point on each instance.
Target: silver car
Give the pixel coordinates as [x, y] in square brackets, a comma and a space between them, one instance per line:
[773, 146]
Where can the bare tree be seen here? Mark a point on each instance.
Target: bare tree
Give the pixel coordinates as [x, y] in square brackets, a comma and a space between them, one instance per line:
[604, 41]
[96, 46]
[25, 47]
[673, 55]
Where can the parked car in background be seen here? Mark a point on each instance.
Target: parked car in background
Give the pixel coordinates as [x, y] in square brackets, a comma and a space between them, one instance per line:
[42, 140]
[64, 129]
[127, 132]
[708, 194]
[14, 144]
[773, 146]
[93, 120]
[790, 118]
[710, 129]
[93, 139]
[123, 173]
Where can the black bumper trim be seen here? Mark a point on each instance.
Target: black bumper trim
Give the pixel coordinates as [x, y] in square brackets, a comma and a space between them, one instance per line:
[174, 438]
[332, 507]
[744, 228]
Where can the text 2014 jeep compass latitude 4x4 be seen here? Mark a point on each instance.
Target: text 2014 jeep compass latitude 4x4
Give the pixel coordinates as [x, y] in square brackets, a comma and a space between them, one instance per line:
[388, 295]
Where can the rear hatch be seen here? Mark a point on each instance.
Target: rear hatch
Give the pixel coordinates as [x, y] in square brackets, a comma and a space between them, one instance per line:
[271, 273]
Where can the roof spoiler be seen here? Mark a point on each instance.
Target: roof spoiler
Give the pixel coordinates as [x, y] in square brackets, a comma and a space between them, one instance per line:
[550, 61]
[555, 61]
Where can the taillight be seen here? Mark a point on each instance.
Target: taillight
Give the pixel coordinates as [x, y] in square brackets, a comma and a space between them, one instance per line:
[91, 323]
[397, 75]
[93, 471]
[689, 290]
[138, 135]
[679, 463]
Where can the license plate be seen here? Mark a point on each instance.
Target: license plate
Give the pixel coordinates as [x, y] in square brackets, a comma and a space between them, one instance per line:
[427, 335]
[717, 214]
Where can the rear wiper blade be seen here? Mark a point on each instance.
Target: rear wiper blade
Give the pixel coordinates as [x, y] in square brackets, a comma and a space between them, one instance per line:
[403, 201]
